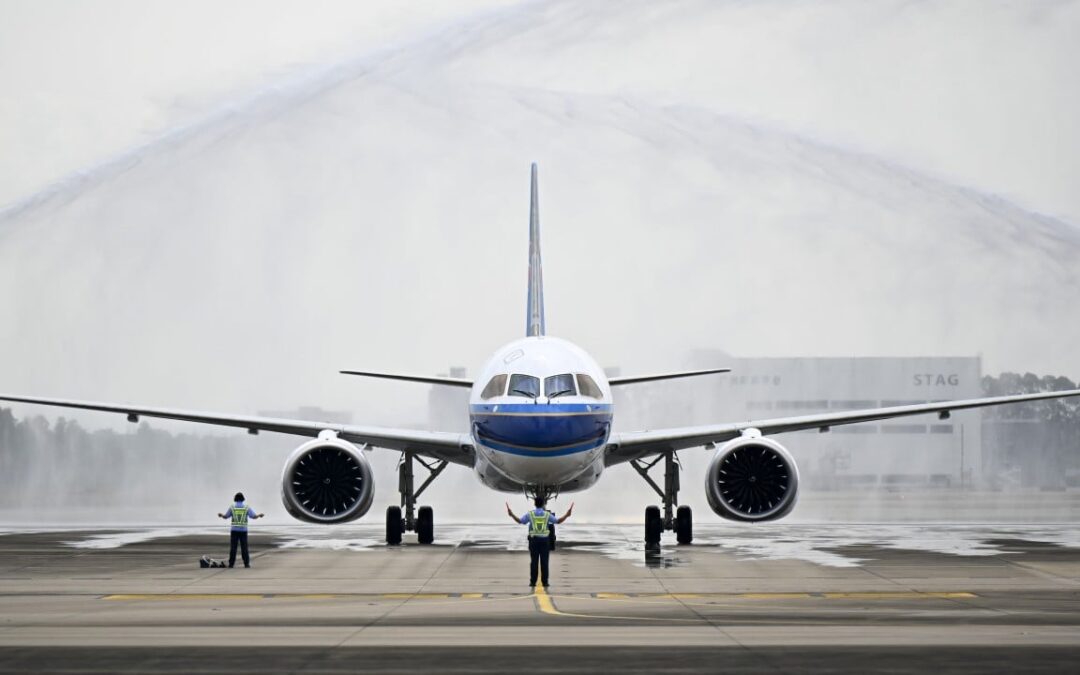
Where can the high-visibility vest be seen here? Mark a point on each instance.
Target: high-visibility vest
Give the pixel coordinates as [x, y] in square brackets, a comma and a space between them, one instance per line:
[239, 516]
[538, 524]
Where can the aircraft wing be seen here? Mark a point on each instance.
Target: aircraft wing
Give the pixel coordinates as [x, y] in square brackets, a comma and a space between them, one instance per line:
[453, 447]
[626, 446]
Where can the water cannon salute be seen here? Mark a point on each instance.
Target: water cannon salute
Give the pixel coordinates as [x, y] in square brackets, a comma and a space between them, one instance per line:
[541, 423]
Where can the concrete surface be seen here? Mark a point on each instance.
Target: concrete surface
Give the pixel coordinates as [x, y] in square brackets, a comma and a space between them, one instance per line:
[882, 598]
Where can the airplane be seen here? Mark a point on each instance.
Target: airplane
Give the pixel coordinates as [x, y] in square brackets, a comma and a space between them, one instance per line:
[540, 417]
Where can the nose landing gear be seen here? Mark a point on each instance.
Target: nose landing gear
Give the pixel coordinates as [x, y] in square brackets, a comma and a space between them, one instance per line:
[423, 521]
[681, 521]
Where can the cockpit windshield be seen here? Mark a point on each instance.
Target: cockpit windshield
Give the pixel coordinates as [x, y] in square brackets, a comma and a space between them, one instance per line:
[588, 386]
[495, 387]
[524, 385]
[559, 385]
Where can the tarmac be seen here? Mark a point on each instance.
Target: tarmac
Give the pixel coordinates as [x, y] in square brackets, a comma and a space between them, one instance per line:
[776, 598]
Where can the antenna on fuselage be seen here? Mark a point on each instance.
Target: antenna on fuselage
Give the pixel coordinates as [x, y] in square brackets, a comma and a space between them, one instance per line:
[534, 326]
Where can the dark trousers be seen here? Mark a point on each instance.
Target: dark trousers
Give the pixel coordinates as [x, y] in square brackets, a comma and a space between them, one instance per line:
[241, 538]
[539, 549]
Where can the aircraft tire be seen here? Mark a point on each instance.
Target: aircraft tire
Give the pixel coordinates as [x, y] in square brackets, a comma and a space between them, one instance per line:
[393, 525]
[654, 525]
[425, 525]
[684, 525]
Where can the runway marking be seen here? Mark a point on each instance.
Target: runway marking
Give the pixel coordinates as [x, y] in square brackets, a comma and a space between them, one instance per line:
[290, 596]
[183, 596]
[895, 595]
[546, 604]
[831, 595]
[543, 601]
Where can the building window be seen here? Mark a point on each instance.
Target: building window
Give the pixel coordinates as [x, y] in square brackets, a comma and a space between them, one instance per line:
[853, 405]
[856, 429]
[903, 428]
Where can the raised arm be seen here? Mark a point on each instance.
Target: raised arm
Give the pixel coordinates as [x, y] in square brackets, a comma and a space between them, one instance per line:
[511, 513]
[567, 514]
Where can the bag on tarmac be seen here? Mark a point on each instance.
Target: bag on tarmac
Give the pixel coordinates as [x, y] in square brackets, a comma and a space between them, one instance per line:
[206, 562]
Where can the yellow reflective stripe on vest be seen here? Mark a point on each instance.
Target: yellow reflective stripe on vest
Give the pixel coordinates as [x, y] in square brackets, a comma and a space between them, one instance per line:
[239, 517]
[538, 524]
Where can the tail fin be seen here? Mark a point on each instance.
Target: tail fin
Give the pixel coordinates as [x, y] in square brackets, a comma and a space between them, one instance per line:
[535, 317]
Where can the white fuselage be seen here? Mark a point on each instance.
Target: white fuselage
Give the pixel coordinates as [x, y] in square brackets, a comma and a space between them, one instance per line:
[540, 416]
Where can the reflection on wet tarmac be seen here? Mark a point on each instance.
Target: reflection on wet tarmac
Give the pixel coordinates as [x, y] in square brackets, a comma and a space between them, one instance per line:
[832, 545]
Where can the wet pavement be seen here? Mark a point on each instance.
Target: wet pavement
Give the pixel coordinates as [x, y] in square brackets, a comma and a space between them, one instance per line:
[749, 598]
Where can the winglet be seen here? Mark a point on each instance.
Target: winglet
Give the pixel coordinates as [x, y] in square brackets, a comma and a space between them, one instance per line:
[534, 325]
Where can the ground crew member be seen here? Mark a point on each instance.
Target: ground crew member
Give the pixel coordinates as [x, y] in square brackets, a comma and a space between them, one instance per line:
[240, 513]
[539, 520]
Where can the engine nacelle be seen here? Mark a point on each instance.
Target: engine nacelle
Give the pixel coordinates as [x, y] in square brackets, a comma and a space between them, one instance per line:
[752, 479]
[327, 480]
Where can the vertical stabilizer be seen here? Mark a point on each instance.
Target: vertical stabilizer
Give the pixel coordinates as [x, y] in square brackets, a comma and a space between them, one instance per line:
[535, 318]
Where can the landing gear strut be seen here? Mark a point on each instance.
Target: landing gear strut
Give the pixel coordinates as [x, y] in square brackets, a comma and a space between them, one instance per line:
[421, 521]
[680, 521]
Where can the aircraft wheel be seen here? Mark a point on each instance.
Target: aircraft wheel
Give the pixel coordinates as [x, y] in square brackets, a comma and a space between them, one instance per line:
[393, 525]
[654, 525]
[425, 525]
[684, 525]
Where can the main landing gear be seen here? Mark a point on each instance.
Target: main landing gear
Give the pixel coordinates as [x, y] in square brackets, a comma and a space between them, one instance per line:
[680, 520]
[422, 520]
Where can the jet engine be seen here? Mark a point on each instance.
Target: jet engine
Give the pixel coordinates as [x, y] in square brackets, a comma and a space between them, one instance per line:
[752, 479]
[327, 480]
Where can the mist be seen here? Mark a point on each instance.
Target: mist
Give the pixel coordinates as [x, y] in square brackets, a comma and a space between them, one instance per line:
[775, 179]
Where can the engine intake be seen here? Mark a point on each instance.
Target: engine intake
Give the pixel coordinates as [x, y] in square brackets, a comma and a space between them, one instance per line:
[327, 480]
[752, 479]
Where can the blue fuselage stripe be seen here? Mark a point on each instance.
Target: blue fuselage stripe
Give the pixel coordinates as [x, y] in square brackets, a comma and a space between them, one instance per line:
[541, 430]
[528, 452]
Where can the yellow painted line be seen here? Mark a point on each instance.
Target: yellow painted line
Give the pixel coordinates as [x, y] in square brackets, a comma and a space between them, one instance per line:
[543, 601]
[546, 605]
[415, 596]
[471, 596]
[773, 596]
[894, 595]
[612, 596]
[185, 596]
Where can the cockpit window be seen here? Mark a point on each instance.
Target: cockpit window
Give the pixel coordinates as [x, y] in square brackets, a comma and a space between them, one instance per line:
[495, 387]
[524, 385]
[587, 386]
[559, 385]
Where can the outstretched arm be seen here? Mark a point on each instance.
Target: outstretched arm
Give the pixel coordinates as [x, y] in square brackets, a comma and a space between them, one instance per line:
[567, 514]
[511, 513]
